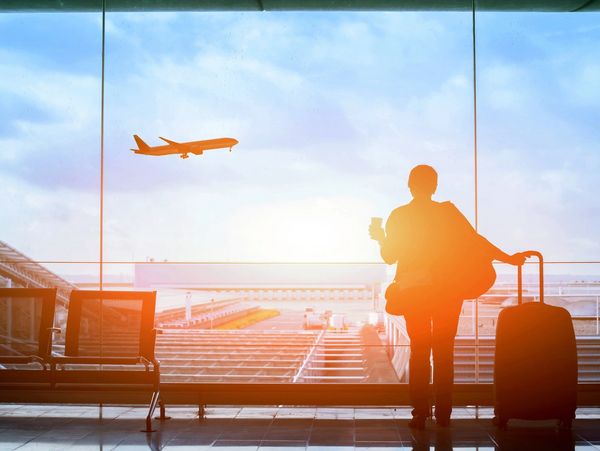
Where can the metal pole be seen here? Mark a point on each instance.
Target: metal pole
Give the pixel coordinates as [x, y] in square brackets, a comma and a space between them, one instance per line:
[475, 161]
[597, 315]
[9, 321]
[475, 175]
[102, 147]
[101, 281]
[188, 307]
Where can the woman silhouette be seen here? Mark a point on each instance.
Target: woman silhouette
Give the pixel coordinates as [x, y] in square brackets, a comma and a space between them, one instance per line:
[416, 237]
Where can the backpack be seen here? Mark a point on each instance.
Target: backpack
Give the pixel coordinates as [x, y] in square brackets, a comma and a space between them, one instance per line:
[460, 269]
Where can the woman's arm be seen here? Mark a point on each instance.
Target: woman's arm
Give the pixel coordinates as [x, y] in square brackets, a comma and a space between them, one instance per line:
[387, 240]
[495, 252]
[498, 254]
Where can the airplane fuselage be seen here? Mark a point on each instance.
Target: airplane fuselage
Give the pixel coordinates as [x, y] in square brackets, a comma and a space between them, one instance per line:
[193, 147]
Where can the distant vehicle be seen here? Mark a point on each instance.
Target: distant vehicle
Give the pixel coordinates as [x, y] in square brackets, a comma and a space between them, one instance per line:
[312, 320]
[183, 149]
[337, 321]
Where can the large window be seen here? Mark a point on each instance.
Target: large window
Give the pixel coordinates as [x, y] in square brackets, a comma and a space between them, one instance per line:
[264, 251]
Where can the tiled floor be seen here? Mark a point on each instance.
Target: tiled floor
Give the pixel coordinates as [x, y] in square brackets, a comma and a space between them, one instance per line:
[27, 427]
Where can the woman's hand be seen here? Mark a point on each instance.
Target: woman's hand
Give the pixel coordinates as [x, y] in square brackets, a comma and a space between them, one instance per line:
[517, 259]
[377, 233]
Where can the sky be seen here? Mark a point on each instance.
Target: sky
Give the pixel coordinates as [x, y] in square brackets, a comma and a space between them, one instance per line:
[331, 110]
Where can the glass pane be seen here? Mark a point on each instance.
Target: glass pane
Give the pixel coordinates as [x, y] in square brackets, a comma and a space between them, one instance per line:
[19, 325]
[49, 131]
[538, 137]
[50, 85]
[331, 111]
[538, 83]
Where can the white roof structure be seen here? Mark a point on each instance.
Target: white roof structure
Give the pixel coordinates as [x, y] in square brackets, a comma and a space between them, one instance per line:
[259, 275]
[25, 272]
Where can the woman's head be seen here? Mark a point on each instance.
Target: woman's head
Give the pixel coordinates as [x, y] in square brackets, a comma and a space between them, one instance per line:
[422, 181]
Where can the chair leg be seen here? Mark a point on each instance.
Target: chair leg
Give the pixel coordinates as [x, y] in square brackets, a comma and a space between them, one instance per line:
[163, 411]
[153, 403]
[201, 412]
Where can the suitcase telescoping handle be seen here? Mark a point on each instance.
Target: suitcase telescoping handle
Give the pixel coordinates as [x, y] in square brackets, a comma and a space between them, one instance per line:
[520, 276]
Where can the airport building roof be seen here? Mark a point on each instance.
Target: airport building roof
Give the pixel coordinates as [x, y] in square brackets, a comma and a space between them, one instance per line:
[259, 275]
[24, 272]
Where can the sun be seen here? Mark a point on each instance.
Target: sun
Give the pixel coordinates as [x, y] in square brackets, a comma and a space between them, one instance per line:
[321, 229]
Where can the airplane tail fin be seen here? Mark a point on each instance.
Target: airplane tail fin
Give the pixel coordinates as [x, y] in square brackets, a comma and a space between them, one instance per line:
[140, 142]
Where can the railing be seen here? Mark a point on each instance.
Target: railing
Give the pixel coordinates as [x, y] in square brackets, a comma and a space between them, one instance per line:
[488, 322]
[308, 358]
[398, 345]
[476, 327]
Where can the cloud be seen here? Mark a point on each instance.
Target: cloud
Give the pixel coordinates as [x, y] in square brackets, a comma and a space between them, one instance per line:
[55, 143]
[237, 85]
[331, 112]
[583, 81]
[49, 224]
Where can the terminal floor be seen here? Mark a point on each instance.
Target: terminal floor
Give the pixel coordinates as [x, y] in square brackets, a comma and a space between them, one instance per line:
[26, 427]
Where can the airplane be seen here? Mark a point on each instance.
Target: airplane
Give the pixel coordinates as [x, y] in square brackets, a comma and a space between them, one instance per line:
[173, 147]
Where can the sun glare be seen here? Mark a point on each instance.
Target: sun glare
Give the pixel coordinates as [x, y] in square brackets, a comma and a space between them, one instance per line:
[305, 230]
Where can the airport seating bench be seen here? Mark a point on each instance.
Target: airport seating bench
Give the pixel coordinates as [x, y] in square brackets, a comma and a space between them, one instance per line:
[108, 348]
[108, 332]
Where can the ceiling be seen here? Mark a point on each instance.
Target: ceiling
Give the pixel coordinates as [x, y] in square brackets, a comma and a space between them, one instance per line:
[298, 5]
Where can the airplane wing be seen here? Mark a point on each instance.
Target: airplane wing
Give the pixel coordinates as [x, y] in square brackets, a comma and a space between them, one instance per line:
[180, 147]
[173, 143]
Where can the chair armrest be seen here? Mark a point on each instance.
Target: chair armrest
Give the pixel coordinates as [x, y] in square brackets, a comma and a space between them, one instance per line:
[147, 363]
[39, 360]
[18, 360]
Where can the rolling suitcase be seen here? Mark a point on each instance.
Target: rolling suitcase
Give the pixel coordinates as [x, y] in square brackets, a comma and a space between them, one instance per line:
[535, 370]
